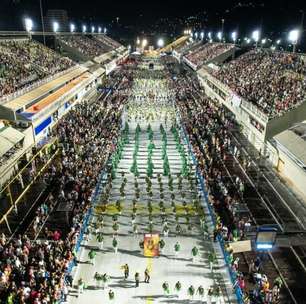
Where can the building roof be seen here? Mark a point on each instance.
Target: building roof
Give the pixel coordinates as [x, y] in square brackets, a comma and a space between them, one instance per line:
[9, 137]
[293, 143]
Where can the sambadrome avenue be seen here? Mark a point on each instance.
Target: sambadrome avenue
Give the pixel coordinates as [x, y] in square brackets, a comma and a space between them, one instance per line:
[152, 152]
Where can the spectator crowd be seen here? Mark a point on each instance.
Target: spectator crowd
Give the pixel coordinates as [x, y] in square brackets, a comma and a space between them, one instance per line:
[85, 45]
[36, 271]
[24, 61]
[208, 129]
[274, 81]
[207, 52]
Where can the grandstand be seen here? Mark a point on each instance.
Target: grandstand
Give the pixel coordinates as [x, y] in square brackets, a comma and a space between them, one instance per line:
[31, 62]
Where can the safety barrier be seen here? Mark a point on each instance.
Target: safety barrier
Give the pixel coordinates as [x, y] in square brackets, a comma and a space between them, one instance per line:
[232, 274]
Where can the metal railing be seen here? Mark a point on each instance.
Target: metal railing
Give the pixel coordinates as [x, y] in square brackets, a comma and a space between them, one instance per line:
[17, 187]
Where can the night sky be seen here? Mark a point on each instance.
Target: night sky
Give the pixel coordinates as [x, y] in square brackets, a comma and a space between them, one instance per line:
[274, 17]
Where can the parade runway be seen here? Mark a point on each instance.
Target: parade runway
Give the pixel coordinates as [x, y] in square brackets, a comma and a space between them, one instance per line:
[167, 267]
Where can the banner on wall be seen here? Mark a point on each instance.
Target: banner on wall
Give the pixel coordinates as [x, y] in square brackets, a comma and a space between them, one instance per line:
[151, 245]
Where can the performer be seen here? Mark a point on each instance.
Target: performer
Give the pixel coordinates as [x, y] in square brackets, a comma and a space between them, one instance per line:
[98, 278]
[166, 288]
[194, 253]
[200, 292]
[147, 276]
[105, 280]
[115, 245]
[210, 293]
[111, 295]
[126, 270]
[81, 286]
[135, 230]
[191, 291]
[137, 279]
[178, 287]
[92, 254]
[218, 294]
[166, 231]
[100, 240]
[212, 260]
[177, 248]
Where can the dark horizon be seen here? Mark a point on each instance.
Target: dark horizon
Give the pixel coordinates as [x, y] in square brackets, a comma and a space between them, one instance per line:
[138, 17]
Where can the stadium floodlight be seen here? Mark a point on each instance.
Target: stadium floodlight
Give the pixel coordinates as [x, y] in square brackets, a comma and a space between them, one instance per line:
[105, 30]
[209, 35]
[256, 35]
[160, 42]
[219, 35]
[196, 35]
[202, 35]
[293, 38]
[234, 37]
[263, 41]
[93, 29]
[72, 27]
[84, 28]
[144, 43]
[55, 26]
[28, 23]
[99, 29]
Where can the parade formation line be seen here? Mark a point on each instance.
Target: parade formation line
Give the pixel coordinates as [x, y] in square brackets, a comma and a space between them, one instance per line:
[149, 239]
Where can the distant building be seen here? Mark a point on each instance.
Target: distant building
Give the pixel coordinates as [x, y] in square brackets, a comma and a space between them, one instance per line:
[59, 16]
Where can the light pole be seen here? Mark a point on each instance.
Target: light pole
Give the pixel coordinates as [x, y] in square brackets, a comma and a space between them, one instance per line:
[42, 21]
[293, 38]
[263, 41]
[55, 27]
[222, 29]
[219, 35]
[256, 36]
[160, 43]
[144, 43]
[234, 37]
[72, 27]
[209, 36]
[28, 23]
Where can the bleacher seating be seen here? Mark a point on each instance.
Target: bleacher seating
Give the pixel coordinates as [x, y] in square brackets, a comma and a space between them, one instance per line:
[206, 52]
[85, 45]
[274, 81]
[22, 62]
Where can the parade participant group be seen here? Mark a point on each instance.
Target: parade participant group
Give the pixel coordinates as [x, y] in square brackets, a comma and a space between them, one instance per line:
[151, 188]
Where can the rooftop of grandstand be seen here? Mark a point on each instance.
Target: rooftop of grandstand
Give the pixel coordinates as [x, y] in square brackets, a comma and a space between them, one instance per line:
[85, 45]
[23, 62]
[187, 46]
[274, 81]
[207, 52]
[108, 41]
